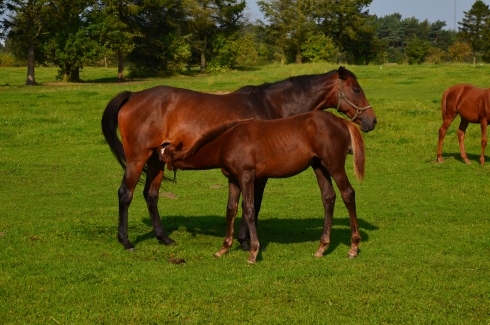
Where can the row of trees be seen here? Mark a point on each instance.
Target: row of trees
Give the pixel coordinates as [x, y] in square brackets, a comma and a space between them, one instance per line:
[166, 36]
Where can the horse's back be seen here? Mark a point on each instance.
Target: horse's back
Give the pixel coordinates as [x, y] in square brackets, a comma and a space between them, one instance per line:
[462, 99]
[157, 114]
[284, 147]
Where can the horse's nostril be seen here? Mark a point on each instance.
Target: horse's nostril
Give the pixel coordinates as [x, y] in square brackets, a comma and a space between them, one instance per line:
[375, 121]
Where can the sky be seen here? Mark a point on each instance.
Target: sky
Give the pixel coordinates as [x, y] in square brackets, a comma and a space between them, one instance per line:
[432, 10]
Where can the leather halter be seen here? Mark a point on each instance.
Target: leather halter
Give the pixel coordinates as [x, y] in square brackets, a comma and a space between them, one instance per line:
[359, 110]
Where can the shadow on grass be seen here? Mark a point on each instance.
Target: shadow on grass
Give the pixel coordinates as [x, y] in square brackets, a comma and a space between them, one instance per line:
[474, 158]
[275, 230]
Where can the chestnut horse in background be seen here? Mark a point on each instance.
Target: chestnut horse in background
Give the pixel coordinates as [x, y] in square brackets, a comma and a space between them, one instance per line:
[472, 103]
[248, 151]
[148, 118]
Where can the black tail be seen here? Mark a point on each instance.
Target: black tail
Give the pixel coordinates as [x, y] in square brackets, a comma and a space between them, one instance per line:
[110, 125]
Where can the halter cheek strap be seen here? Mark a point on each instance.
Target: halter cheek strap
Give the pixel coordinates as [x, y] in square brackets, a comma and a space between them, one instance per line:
[359, 110]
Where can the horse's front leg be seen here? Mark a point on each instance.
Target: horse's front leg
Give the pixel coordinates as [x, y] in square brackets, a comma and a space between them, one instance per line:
[328, 201]
[243, 233]
[484, 139]
[152, 187]
[231, 210]
[349, 198]
[461, 133]
[246, 181]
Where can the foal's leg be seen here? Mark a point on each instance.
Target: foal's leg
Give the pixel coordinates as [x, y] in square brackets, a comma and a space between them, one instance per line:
[461, 132]
[349, 198]
[247, 180]
[447, 120]
[151, 191]
[328, 200]
[125, 194]
[231, 210]
[484, 124]
[258, 195]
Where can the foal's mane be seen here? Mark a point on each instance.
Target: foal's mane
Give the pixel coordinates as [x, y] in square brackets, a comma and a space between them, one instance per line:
[207, 137]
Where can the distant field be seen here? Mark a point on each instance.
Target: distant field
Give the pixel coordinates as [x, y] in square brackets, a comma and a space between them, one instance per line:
[425, 250]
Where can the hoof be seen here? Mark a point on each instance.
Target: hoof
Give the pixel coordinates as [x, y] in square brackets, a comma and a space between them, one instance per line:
[131, 249]
[251, 261]
[318, 255]
[351, 256]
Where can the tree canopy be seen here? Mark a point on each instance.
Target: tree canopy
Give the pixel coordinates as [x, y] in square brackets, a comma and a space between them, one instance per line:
[150, 37]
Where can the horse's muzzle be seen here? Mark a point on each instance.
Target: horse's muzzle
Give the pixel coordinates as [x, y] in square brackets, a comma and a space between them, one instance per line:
[367, 126]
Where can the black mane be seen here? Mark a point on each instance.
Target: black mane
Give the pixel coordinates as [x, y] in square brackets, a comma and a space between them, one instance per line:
[301, 84]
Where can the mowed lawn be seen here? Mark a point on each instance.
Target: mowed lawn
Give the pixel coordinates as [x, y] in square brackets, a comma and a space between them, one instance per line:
[425, 250]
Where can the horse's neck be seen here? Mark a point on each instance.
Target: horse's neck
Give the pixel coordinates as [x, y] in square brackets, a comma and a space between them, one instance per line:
[207, 157]
[287, 101]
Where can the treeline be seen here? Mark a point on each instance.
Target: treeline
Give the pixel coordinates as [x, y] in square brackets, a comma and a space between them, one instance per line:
[161, 37]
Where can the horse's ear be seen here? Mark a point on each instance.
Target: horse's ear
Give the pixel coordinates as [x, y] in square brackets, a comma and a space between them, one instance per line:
[342, 73]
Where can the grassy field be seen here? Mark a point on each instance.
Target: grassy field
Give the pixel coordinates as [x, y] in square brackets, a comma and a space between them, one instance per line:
[424, 255]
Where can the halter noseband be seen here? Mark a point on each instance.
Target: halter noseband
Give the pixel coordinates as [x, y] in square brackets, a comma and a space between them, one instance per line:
[359, 110]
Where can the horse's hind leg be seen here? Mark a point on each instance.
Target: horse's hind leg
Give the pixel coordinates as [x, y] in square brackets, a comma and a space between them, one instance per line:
[349, 198]
[328, 200]
[484, 124]
[243, 233]
[151, 191]
[231, 210]
[461, 132]
[125, 193]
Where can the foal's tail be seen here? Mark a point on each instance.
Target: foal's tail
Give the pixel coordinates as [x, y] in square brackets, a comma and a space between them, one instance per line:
[110, 125]
[357, 144]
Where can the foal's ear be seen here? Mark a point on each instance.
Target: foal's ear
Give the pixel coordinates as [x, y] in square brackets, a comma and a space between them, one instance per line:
[342, 73]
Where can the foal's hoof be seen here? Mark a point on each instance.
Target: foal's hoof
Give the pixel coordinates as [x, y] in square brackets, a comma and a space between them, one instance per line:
[351, 256]
[131, 249]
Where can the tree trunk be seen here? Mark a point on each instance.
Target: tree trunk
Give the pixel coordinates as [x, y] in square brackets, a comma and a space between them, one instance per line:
[203, 54]
[30, 66]
[75, 75]
[203, 62]
[120, 66]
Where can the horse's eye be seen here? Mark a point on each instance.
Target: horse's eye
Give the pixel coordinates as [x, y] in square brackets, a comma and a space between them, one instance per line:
[357, 90]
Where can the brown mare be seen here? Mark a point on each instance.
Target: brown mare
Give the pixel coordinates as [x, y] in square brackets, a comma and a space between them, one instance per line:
[473, 104]
[148, 118]
[248, 151]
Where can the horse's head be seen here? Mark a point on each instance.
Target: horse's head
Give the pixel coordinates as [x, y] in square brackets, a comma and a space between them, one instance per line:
[166, 154]
[352, 101]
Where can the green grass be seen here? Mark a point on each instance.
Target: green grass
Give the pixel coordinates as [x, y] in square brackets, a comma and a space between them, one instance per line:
[424, 255]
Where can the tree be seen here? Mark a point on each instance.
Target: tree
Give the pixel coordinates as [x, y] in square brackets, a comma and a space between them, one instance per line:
[72, 36]
[159, 28]
[473, 25]
[114, 30]
[416, 50]
[213, 22]
[460, 51]
[345, 22]
[290, 23]
[23, 21]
